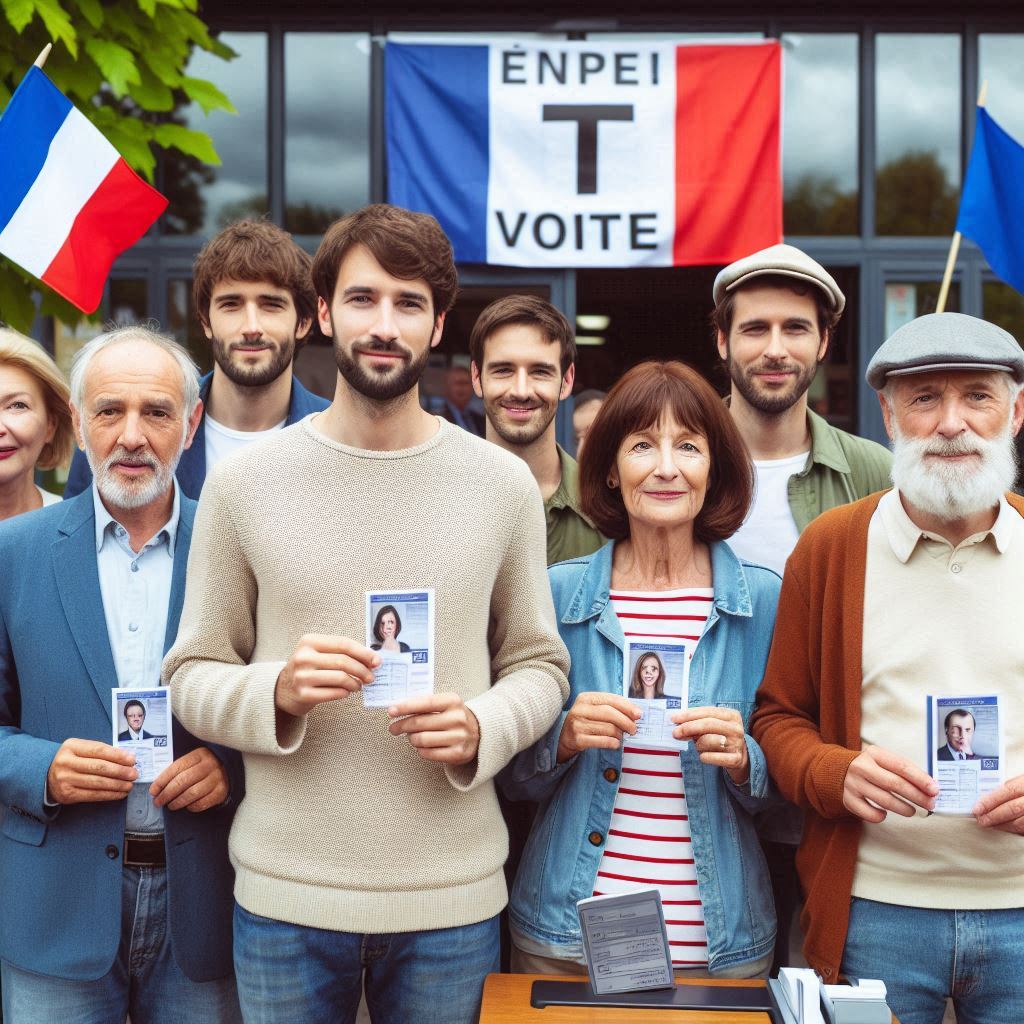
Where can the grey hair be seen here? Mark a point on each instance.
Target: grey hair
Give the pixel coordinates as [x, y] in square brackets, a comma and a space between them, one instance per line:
[136, 332]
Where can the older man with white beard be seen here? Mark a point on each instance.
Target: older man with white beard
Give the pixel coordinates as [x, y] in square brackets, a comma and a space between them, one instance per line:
[116, 894]
[918, 591]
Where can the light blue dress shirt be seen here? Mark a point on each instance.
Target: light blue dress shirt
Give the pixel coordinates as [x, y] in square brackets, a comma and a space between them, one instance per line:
[136, 592]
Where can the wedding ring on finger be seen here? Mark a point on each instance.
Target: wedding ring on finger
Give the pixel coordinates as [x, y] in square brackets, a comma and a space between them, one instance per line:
[721, 742]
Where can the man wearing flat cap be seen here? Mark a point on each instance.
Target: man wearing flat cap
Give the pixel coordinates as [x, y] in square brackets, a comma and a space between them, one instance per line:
[899, 596]
[775, 313]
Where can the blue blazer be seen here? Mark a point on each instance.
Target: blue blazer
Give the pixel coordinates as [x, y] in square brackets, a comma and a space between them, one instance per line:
[191, 472]
[60, 870]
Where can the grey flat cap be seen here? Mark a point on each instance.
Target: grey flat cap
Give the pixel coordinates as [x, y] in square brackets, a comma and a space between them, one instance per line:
[786, 260]
[946, 341]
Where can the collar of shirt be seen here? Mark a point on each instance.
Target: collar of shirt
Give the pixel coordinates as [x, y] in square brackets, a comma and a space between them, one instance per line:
[567, 494]
[903, 533]
[106, 524]
[825, 447]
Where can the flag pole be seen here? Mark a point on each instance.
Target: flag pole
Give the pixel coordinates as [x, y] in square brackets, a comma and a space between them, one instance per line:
[954, 245]
[41, 59]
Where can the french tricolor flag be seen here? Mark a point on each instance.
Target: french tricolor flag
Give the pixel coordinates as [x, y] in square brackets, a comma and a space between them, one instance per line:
[589, 154]
[69, 204]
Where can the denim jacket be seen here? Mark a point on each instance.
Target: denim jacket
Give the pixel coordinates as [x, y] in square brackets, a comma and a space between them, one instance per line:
[565, 846]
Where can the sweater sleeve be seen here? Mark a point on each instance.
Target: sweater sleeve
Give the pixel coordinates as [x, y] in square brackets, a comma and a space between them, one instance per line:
[529, 662]
[807, 770]
[216, 693]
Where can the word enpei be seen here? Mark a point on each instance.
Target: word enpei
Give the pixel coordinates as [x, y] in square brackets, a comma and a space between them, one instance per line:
[553, 231]
[571, 66]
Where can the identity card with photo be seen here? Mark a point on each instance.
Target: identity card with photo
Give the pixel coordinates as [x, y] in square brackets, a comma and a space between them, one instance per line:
[400, 627]
[625, 941]
[656, 677]
[142, 725]
[966, 751]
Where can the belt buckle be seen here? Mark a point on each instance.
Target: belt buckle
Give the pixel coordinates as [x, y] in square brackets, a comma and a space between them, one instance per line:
[144, 851]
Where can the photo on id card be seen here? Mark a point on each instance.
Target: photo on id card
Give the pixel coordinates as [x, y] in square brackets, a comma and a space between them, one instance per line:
[656, 675]
[400, 627]
[965, 749]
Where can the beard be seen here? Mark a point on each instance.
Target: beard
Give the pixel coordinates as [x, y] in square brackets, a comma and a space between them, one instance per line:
[771, 403]
[519, 433]
[253, 376]
[381, 383]
[953, 491]
[130, 493]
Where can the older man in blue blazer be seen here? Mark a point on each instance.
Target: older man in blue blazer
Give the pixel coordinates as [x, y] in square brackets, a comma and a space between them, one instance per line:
[116, 895]
[254, 298]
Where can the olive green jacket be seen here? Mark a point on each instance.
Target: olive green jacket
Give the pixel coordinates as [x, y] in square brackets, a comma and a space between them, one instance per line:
[840, 468]
[570, 533]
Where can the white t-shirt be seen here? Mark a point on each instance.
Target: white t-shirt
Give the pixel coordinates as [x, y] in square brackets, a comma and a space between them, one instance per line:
[769, 533]
[49, 498]
[223, 441]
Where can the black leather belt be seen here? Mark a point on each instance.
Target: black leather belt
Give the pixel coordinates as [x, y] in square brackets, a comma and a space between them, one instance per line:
[144, 851]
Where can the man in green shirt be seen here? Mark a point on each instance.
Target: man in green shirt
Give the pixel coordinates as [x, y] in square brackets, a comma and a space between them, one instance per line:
[775, 314]
[523, 363]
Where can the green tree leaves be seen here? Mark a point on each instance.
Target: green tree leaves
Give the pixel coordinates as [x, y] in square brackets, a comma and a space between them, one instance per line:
[123, 65]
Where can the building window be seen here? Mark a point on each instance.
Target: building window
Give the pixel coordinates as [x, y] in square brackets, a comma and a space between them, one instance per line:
[820, 134]
[327, 128]
[203, 198]
[917, 176]
[1001, 64]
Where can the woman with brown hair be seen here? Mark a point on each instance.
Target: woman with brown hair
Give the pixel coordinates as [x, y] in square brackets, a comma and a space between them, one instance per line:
[35, 422]
[666, 475]
[648, 682]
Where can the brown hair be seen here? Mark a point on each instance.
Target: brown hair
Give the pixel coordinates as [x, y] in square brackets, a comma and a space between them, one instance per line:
[407, 245]
[254, 250]
[524, 309]
[638, 401]
[30, 356]
[721, 318]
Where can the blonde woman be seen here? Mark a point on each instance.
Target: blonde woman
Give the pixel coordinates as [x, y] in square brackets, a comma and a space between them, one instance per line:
[35, 422]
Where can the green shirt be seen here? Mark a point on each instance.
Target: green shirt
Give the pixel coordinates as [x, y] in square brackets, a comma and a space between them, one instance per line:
[840, 468]
[570, 533]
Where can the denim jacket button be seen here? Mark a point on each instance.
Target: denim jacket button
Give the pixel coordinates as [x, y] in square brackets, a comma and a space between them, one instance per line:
[596, 839]
[610, 775]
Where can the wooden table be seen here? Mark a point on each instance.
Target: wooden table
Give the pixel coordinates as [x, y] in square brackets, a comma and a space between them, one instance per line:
[507, 1001]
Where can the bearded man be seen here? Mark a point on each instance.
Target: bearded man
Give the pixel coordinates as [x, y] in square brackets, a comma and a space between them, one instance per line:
[369, 847]
[523, 354]
[884, 602]
[253, 294]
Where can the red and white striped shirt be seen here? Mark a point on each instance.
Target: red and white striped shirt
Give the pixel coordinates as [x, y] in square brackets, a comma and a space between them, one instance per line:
[648, 840]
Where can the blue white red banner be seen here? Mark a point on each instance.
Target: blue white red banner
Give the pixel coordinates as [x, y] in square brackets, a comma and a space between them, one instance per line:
[589, 154]
[69, 204]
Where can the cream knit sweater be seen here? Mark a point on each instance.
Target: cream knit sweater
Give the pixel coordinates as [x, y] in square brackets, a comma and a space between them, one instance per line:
[344, 826]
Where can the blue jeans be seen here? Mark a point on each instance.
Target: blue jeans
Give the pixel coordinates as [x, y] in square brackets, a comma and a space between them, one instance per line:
[291, 974]
[144, 980]
[923, 956]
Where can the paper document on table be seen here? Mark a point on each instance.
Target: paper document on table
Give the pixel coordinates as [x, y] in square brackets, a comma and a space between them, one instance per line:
[966, 750]
[656, 677]
[400, 627]
[142, 725]
[626, 942]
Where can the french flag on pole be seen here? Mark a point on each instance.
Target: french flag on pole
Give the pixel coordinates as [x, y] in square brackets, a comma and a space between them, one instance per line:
[589, 154]
[69, 204]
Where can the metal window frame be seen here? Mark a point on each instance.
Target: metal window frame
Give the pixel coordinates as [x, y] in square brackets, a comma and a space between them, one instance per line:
[158, 258]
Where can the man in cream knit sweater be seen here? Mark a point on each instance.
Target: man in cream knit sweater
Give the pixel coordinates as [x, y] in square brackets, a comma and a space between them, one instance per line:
[369, 845]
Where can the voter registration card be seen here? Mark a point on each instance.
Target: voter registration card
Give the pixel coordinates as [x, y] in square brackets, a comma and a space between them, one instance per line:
[142, 725]
[400, 627]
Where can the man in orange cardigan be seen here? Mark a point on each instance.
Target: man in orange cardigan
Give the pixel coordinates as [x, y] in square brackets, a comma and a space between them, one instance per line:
[898, 596]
